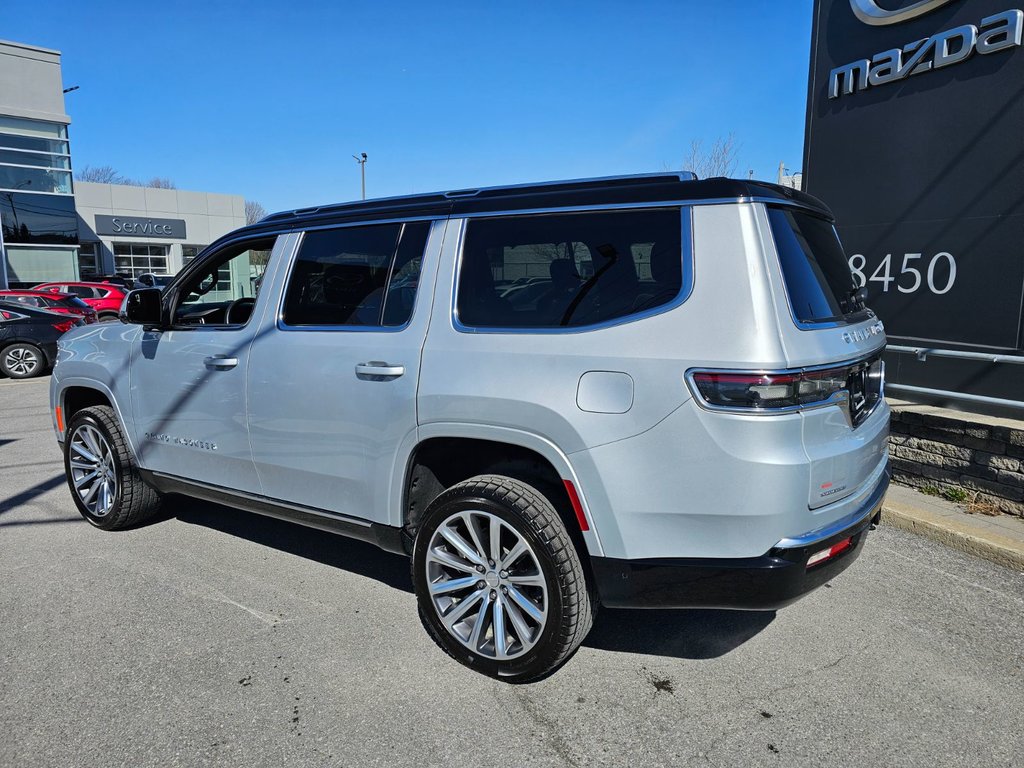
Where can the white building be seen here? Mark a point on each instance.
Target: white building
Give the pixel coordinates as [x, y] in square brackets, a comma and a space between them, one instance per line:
[132, 230]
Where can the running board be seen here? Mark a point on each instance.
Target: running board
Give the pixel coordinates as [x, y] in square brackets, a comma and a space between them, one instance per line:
[386, 537]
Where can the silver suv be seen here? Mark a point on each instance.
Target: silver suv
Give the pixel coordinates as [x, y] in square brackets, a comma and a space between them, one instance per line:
[643, 391]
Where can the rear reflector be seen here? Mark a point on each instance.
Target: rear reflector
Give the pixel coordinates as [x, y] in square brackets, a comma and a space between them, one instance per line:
[60, 418]
[827, 554]
[574, 499]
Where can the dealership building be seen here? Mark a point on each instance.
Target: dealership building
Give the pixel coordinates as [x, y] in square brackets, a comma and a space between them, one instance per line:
[54, 228]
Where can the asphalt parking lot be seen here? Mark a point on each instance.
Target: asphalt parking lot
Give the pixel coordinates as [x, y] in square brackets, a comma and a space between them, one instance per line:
[218, 638]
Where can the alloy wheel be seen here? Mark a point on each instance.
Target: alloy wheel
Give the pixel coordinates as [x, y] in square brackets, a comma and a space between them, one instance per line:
[486, 584]
[21, 361]
[93, 472]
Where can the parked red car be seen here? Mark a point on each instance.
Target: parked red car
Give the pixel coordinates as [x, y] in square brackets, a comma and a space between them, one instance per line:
[105, 298]
[64, 303]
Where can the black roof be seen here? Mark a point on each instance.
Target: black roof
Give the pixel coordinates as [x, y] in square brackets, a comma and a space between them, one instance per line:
[613, 190]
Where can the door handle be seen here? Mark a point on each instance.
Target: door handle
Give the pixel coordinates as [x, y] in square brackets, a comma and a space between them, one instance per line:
[377, 370]
[220, 362]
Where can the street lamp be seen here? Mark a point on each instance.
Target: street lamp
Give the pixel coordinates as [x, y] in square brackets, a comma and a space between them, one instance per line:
[361, 159]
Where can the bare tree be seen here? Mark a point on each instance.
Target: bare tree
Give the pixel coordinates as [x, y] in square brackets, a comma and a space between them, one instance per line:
[102, 174]
[107, 174]
[254, 211]
[719, 160]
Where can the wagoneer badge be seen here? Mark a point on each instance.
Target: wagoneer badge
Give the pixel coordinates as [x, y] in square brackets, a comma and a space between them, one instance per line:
[851, 337]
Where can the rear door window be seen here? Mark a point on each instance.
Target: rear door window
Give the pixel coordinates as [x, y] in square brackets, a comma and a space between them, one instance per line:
[569, 270]
[818, 279]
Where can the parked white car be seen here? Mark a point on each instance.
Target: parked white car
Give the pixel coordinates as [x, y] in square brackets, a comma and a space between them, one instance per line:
[689, 415]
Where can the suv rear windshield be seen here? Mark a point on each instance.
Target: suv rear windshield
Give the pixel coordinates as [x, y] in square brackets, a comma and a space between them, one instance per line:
[818, 279]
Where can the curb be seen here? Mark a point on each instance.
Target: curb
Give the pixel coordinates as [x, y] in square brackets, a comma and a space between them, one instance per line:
[963, 535]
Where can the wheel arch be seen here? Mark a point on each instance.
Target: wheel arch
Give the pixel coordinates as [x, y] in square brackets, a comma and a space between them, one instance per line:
[448, 454]
[75, 394]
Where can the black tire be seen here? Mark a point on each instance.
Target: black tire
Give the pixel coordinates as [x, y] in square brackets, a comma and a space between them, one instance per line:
[22, 360]
[134, 502]
[107, 317]
[570, 609]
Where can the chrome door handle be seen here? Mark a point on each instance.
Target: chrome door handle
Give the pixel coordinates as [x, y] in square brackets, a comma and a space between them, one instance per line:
[220, 362]
[378, 370]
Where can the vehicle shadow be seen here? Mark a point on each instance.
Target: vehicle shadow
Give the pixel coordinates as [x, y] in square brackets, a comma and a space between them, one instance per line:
[681, 634]
[340, 552]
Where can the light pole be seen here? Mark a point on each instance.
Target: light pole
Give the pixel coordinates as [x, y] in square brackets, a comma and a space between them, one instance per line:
[361, 159]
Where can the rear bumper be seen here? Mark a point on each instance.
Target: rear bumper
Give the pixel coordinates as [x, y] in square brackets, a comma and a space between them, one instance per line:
[773, 580]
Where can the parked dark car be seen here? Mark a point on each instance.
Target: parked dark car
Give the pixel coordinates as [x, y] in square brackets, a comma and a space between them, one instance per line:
[28, 339]
[62, 303]
[153, 280]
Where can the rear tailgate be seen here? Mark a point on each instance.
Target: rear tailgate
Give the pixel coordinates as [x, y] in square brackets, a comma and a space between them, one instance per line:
[824, 324]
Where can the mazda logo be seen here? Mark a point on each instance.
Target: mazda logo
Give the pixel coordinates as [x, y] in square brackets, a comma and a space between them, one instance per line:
[870, 12]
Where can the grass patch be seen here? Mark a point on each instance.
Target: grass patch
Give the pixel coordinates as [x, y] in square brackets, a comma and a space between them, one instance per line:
[954, 494]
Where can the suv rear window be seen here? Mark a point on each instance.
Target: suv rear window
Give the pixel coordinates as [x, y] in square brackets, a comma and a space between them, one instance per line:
[818, 277]
[569, 270]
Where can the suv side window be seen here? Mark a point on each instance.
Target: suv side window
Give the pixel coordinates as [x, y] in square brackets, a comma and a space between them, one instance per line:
[569, 270]
[223, 290]
[356, 276]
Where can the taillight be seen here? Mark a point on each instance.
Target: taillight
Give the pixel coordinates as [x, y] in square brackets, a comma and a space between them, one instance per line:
[769, 390]
[64, 327]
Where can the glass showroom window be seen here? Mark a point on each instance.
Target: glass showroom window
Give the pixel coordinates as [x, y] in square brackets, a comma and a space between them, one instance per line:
[137, 258]
[34, 157]
[189, 252]
[88, 260]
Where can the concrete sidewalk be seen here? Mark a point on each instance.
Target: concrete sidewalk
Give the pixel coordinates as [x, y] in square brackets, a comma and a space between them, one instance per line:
[999, 539]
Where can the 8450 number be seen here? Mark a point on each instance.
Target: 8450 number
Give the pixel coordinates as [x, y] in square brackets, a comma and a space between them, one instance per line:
[938, 280]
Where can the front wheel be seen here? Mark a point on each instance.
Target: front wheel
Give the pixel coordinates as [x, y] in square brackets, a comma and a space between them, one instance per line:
[499, 584]
[104, 481]
[22, 361]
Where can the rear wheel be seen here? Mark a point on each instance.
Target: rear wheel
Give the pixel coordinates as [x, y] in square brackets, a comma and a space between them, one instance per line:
[104, 481]
[107, 317]
[22, 361]
[499, 583]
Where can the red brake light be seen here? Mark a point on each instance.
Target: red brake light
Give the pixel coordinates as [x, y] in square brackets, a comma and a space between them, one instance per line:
[64, 327]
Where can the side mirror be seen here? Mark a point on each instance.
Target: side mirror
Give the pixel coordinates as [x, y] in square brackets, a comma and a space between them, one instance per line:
[142, 307]
[860, 296]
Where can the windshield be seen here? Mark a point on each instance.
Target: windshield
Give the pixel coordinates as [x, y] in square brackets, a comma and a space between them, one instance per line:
[818, 279]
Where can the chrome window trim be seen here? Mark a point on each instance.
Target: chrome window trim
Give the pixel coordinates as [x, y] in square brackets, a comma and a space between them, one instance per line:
[840, 399]
[171, 289]
[685, 290]
[402, 221]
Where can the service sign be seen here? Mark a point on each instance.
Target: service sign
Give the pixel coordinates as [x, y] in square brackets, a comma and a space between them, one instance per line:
[139, 226]
[915, 138]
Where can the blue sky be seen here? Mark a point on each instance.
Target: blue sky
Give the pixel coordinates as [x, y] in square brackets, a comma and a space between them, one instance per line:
[270, 100]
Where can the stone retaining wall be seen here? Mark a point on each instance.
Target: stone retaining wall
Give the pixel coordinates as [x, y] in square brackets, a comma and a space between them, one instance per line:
[934, 448]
